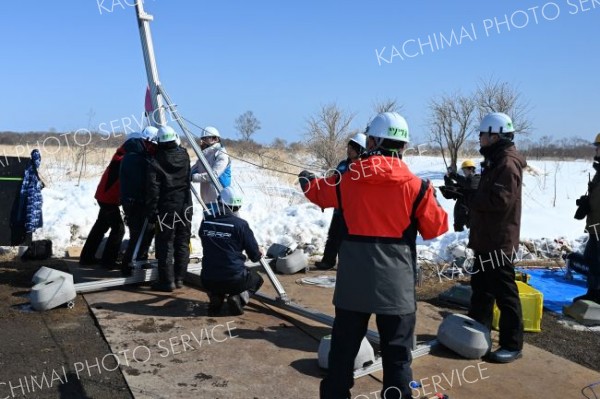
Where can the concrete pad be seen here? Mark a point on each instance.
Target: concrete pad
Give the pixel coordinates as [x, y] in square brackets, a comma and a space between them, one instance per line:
[268, 353]
[536, 373]
[180, 352]
[585, 312]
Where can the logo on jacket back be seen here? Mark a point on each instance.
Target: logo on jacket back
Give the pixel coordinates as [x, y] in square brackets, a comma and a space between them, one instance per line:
[216, 234]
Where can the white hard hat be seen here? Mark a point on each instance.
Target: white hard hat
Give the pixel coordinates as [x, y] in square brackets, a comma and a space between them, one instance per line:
[497, 123]
[167, 134]
[360, 139]
[210, 131]
[134, 135]
[230, 197]
[150, 133]
[389, 125]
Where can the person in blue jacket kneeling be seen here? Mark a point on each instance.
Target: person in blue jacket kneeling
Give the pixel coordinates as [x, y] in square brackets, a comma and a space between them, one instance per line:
[225, 236]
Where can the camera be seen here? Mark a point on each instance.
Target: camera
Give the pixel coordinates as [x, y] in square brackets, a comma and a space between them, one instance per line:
[583, 207]
[582, 200]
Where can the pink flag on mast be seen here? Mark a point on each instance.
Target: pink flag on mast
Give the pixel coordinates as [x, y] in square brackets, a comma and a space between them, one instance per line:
[148, 105]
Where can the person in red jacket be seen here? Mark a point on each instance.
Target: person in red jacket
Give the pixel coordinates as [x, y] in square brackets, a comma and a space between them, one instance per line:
[383, 205]
[109, 217]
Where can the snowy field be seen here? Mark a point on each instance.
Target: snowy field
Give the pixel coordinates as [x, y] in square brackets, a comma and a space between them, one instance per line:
[278, 212]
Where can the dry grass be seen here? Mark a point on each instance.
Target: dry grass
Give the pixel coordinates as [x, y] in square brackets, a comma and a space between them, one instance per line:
[63, 162]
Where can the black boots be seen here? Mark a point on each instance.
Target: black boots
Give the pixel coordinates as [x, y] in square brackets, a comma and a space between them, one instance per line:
[590, 295]
[234, 303]
[163, 286]
[321, 265]
[215, 303]
[504, 356]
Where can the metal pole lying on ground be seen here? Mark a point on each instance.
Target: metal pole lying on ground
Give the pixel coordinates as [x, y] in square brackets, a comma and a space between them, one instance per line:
[137, 276]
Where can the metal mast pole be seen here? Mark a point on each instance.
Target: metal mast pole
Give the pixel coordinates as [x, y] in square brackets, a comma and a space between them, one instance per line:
[158, 114]
[157, 93]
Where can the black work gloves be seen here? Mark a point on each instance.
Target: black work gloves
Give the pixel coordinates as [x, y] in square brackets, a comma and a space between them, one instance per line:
[304, 178]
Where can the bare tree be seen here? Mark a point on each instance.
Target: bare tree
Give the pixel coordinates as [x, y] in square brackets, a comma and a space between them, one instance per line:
[556, 170]
[451, 124]
[497, 96]
[387, 105]
[247, 124]
[279, 143]
[82, 152]
[327, 132]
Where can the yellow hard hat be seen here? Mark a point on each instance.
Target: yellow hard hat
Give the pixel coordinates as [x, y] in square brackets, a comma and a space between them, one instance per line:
[597, 141]
[468, 163]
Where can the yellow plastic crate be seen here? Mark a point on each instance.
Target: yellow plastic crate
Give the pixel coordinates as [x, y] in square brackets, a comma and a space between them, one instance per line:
[532, 304]
[522, 276]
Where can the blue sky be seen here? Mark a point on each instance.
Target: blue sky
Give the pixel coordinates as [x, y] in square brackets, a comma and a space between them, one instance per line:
[285, 59]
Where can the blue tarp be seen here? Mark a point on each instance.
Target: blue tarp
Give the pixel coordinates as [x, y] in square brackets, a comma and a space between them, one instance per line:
[556, 290]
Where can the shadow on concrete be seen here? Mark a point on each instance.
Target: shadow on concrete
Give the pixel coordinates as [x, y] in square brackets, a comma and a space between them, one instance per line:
[282, 336]
[309, 366]
[157, 304]
[72, 388]
[443, 352]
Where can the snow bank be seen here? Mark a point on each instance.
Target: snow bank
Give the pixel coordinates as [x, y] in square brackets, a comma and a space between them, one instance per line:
[277, 210]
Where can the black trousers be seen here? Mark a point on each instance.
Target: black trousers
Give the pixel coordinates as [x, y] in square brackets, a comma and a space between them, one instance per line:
[396, 339]
[109, 217]
[173, 247]
[135, 216]
[461, 216]
[250, 281]
[493, 278]
[334, 239]
[591, 254]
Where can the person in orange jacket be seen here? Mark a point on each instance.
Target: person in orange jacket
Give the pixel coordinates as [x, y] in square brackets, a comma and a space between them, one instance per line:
[384, 205]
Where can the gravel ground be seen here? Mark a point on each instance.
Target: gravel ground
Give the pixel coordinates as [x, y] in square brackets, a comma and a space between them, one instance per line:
[56, 354]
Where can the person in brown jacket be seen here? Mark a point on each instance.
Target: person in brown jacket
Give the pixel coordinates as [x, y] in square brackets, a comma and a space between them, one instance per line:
[494, 237]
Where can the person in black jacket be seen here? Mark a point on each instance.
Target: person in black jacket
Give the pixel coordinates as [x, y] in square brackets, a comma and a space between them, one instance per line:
[109, 217]
[224, 237]
[495, 234]
[461, 189]
[357, 145]
[139, 150]
[169, 204]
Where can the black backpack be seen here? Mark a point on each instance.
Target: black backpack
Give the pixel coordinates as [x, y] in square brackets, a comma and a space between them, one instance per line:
[38, 250]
